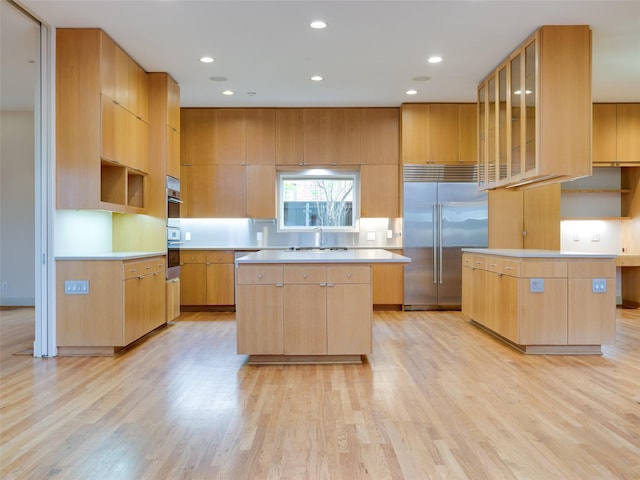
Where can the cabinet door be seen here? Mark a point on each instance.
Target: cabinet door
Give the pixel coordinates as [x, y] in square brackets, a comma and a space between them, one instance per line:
[231, 137]
[506, 306]
[173, 151]
[197, 136]
[317, 136]
[349, 319]
[542, 217]
[259, 319]
[539, 321]
[108, 128]
[193, 284]
[388, 283]
[173, 103]
[628, 123]
[173, 299]
[604, 133]
[133, 305]
[443, 133]
[468, 133]
[289, 136]
[305, 319]
[261, 191]
[261, 136]
[220, 284]
[379, 136]
[379, 193]
[415, 128]
[215, 191]
[344, 139]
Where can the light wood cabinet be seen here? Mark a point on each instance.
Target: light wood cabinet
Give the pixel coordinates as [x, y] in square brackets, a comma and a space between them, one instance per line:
[604, 149]
[380, 191]
[289, 133]
[380, 136]
[125, 301]
[616, 137]
[261, 136]
[628, 134]
[438, 133]
[525, 218]
[207, 278]
[104, 135]
[535, 111]
[217, 191]
[165, 130]
[542, 305]
[309, 309]
[197, 136]
[173, 299]
[317, 136]
[261, 191]
[387, 285]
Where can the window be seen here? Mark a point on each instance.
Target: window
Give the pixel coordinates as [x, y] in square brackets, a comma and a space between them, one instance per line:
[318, 198]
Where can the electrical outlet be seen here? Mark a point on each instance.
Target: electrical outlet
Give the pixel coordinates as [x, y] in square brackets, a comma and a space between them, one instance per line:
[599, 285]
[389, 233]
[595, 237]
[187, 236]
[76, 287]
[536, 285]
[576, 237]
[371, 236]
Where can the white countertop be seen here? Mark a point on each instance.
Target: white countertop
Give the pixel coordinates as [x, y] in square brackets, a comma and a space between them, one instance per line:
[360, 255]
[521, 253]
[111, 256]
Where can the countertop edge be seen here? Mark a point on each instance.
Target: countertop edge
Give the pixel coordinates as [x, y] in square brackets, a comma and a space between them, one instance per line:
[111, 256]
[522, 253]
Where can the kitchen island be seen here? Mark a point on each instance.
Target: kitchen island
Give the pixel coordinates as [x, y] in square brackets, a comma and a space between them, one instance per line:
[306, 306]
[542, 301]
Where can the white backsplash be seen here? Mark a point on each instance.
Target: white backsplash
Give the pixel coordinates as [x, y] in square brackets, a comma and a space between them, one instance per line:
[83, 232]
[239, 233]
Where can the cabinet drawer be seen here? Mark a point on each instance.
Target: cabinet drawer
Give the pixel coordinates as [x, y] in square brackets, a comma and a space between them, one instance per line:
[305, 274]
[220, 257]
[467, 260]
[143, 267]
[479, 262]
[509, 267]
[592, 269]
[349, 274]
[256, 274]
[193, 257]
[556, 269]
[492, 264]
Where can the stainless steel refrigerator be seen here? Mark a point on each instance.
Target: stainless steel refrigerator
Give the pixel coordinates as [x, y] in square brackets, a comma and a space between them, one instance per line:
[443, 212]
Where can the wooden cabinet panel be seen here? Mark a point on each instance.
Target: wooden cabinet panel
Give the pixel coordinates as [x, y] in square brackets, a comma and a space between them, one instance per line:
[541, 320]
[215, 191]
[388, 284]
[259, 311]
[231, 136]
[173, 299]
[173, 151]
[604, 133]
[261, 136]
[108, 128]
[261, 191]
[193, 284]
[305, 319]
[443, 133]
[144, 308]
[107, 66]
[467, 133]
[220, 284]
[344, 139]
[289, 136]
[380, 191]
[197, 136]
[628, 134]
[379, 138]
[415, 133]
[317, 136]
[349, 319]
[173, 103]
[590, 318]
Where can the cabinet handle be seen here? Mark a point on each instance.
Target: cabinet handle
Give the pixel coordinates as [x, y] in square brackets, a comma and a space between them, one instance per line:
[348, 275]
[330, 285]
[148, 268]
[133, 270]
[279, 284]
[259, 276]
[304, 275]
[140, 277]
[492, 264]
[478, 263]
[507, 268]
[323, 284]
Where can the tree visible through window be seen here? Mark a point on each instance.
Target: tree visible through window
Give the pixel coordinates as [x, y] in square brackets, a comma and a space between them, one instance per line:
[312, 201]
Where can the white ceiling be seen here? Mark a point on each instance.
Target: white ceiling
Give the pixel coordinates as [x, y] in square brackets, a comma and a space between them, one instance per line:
[368, 54]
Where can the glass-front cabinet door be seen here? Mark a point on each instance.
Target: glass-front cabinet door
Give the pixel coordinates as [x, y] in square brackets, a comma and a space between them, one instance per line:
[491, 130]
[502, 124]
[516, 115]
[482, 136]
[530, 101]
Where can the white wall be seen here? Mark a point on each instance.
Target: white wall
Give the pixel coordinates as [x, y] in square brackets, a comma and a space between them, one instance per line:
[17, 209]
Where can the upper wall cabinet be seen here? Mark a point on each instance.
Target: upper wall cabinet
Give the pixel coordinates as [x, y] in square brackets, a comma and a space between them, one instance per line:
[616, 134]
[439, 133]
[102, 113]
[535, 111]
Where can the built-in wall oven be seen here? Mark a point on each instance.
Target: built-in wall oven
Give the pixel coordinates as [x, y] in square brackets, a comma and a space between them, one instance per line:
[174, 237]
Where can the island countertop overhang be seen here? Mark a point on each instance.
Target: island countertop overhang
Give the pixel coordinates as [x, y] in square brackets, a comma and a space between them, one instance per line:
[374, 255]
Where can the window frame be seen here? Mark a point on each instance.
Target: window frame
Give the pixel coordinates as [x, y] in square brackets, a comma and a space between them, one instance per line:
[319, 174]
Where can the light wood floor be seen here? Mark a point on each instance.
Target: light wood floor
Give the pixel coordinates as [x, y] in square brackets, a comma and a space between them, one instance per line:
[438, 398]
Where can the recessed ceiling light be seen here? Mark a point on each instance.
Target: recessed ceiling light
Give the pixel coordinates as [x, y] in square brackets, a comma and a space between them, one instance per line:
[317, 78]
[251, 94]
[218, 79]
[228, 92]
[435, 59]
[411, 92]
[318, 24]
[206, 60]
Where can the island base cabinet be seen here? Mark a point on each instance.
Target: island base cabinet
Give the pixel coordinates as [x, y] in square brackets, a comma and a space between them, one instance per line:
[259, 315]
[303, 313]
[542, 305]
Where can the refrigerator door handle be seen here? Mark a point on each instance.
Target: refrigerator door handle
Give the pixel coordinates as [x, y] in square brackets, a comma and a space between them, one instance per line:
[435, 243]
[440, 242]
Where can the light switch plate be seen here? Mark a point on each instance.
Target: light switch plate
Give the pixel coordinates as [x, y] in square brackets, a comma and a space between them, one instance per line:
[371, 236]
[599, 285]
[536, 285]
[76, 287]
